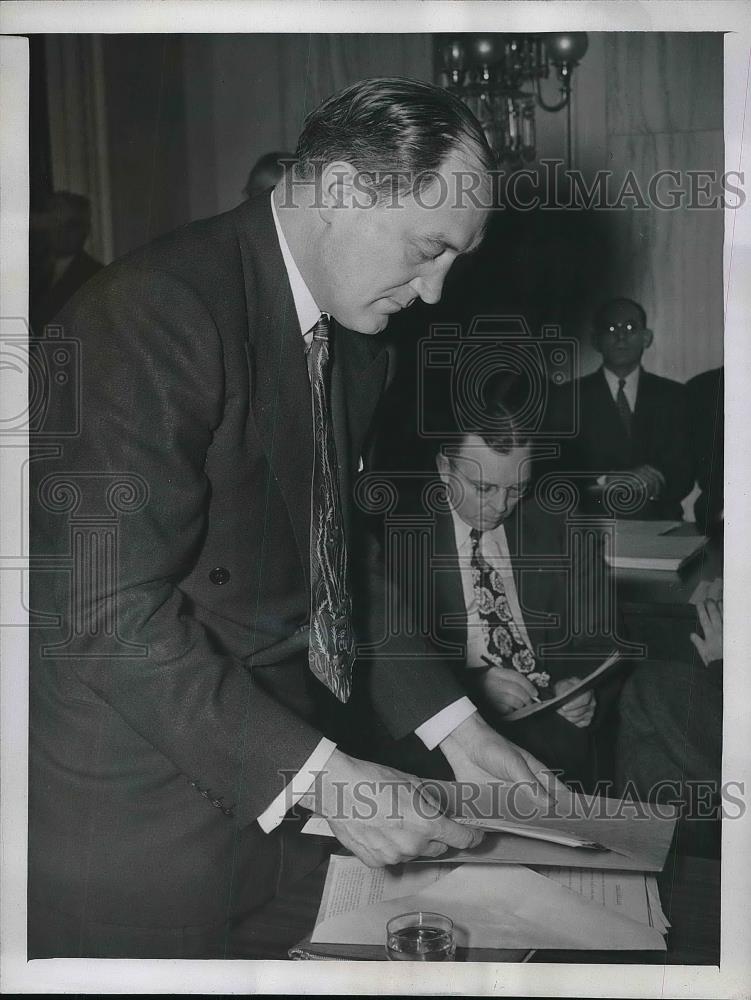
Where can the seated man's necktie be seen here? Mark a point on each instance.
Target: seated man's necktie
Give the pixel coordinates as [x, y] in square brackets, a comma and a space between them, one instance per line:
[505, 642]
[331, 646]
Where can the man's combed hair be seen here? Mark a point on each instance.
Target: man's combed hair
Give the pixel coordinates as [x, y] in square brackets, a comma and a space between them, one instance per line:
[398, 131]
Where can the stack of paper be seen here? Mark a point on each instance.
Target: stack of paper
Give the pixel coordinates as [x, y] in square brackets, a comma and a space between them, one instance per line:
[495, 906]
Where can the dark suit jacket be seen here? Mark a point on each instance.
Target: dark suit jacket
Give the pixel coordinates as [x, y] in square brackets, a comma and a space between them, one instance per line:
[174, 695]
[45, 306]
[659, 437]
[705, 396]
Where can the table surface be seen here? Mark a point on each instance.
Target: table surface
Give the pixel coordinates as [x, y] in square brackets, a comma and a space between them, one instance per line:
[665, 591]
[689, 892]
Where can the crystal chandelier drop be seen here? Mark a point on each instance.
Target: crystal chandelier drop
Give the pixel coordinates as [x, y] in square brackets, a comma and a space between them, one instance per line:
[489, 73]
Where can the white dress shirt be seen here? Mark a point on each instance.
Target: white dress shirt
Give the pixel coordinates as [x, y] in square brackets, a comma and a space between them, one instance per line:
[630, 387]
[439, 726]
[493, 546]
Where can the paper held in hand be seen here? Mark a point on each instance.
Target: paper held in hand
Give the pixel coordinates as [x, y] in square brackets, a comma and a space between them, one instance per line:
[613, 661]
[608, 833]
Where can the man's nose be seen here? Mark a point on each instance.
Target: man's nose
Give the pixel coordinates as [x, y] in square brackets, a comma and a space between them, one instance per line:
[429, 286]
[500, 504]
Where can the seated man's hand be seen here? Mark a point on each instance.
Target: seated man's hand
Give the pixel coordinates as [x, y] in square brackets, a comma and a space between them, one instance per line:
[477, 753]
[380, 815]
[652, 478]
[709, 646]
[506, 689]
[580, 710]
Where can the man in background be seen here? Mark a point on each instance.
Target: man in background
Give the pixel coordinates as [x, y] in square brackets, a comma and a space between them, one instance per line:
[633, 427]
[59, 265]
[266, 173]
[705, 395]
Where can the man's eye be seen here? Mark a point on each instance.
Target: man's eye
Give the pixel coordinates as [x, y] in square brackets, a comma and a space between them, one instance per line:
[629, 327]
[430, 253]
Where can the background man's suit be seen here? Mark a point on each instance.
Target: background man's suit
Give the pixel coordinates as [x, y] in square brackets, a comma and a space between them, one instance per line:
[602, 445]
[149, 771]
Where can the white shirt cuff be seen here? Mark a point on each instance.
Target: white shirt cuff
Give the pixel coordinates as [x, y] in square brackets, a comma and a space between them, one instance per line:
[291, 794]
[445, 722]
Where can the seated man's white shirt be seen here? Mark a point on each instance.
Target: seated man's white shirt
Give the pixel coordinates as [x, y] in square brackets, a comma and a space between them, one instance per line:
[493, 546]
[436, 728]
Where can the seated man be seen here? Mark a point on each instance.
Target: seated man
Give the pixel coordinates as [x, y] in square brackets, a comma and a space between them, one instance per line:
[631, 422]
[495, 596]
[669, 744]
[705, 396]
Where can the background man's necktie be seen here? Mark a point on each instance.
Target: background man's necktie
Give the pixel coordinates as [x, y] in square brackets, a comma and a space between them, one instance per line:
[624, 410]
[331, 646]
[504, 641]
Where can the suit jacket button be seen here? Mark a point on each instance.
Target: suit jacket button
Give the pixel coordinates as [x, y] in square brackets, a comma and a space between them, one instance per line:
[219, 575]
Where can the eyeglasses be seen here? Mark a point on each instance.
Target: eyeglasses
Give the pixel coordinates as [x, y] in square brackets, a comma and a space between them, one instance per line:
[613, 329]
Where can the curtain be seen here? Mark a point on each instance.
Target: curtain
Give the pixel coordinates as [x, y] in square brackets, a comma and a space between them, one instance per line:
[78, 129]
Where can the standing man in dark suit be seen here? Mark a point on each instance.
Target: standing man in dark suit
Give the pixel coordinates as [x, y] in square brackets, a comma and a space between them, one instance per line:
[192, 664]
[632, 434]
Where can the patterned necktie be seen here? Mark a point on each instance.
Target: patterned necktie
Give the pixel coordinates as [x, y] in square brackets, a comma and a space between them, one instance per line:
[505, 643]
[331, 645]
[624, 410]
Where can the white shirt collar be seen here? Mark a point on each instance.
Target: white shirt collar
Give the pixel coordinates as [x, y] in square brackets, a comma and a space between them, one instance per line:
[308, 312]
[630, 388]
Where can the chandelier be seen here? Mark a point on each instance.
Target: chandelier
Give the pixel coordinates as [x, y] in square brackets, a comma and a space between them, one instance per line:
[489, 73]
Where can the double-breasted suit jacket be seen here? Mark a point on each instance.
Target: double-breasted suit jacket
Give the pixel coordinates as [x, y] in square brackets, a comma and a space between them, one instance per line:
[170, 694]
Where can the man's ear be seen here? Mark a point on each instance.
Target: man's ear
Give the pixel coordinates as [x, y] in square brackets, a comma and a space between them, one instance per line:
[338, 189]
[442, 464]
[594, 337]
[647, 337]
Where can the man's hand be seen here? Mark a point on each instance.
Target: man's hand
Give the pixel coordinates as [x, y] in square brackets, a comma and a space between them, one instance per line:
[380, 815]
[709, 646]
[506, 689]
[476, 752]
[652, 478]
[580, 710]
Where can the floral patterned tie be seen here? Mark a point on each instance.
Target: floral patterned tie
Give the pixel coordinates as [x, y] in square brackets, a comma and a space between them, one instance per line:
[505, 643]
[331, 645]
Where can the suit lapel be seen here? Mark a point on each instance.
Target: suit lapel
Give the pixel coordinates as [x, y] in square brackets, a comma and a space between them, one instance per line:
[449, 592]
[280, 387]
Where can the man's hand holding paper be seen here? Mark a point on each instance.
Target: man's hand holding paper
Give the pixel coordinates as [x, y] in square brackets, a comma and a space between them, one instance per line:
[579, 711]
[381, 815]
[507, 689]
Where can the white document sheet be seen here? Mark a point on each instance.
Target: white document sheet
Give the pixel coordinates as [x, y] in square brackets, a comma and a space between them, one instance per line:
[634, 836]
[492, 906]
